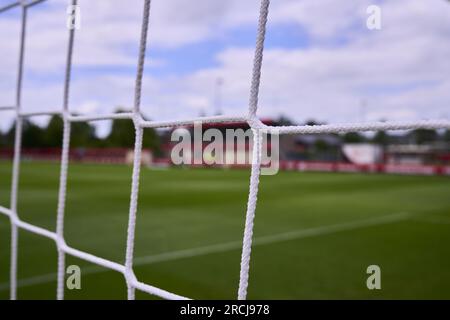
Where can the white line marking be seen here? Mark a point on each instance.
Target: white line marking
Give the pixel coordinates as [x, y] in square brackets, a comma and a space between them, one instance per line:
[431, 219]
[228, 246]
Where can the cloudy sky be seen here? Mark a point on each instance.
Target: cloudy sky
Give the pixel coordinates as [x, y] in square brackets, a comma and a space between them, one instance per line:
[321, 61]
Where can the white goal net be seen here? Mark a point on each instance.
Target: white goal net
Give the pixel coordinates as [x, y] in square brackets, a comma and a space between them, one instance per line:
[140, 124]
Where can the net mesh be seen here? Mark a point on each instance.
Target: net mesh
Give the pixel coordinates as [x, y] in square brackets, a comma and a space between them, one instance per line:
[140, 124]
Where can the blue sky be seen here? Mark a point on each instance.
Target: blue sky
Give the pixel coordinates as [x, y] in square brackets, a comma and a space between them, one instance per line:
[321, 61]
[197, 56]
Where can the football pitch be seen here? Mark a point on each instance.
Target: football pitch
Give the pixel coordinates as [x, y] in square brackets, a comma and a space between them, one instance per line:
[315, 233]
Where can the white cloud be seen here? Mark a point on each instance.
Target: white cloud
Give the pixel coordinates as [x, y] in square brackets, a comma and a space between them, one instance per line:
[401, 70]
[323, 19]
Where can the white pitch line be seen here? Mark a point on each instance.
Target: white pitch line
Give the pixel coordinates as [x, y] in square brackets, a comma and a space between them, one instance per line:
[431, 219]
[228, 246]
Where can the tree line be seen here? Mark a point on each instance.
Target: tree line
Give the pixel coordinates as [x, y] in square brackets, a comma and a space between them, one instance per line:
[122, 135]
[418, 136]
[83, 135]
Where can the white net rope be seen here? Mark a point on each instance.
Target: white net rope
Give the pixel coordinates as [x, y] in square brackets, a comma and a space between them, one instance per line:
[140, 124]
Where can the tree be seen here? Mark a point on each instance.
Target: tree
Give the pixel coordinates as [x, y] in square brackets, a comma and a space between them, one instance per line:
[421, 136]
[321, 145]
[284, 121]
[381, 138]
[9, 136]
[82, 135]
[353, 137]
[32, 135]
[123, 135]
[312, 122]
[151, 140]
[447, 135]
[53, 134]
[2, 139]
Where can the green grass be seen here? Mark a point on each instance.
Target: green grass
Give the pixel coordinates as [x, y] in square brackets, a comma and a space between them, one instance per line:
[183, 209]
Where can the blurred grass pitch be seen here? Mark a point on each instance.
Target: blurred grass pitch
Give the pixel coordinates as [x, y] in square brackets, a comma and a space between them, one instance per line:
[315, 233]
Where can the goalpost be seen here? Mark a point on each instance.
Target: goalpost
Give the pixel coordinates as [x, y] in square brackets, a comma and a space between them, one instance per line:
[140, 124]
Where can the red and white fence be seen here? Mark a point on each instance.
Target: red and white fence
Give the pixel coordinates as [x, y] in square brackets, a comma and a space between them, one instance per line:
[372, 168]
[119, 156]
